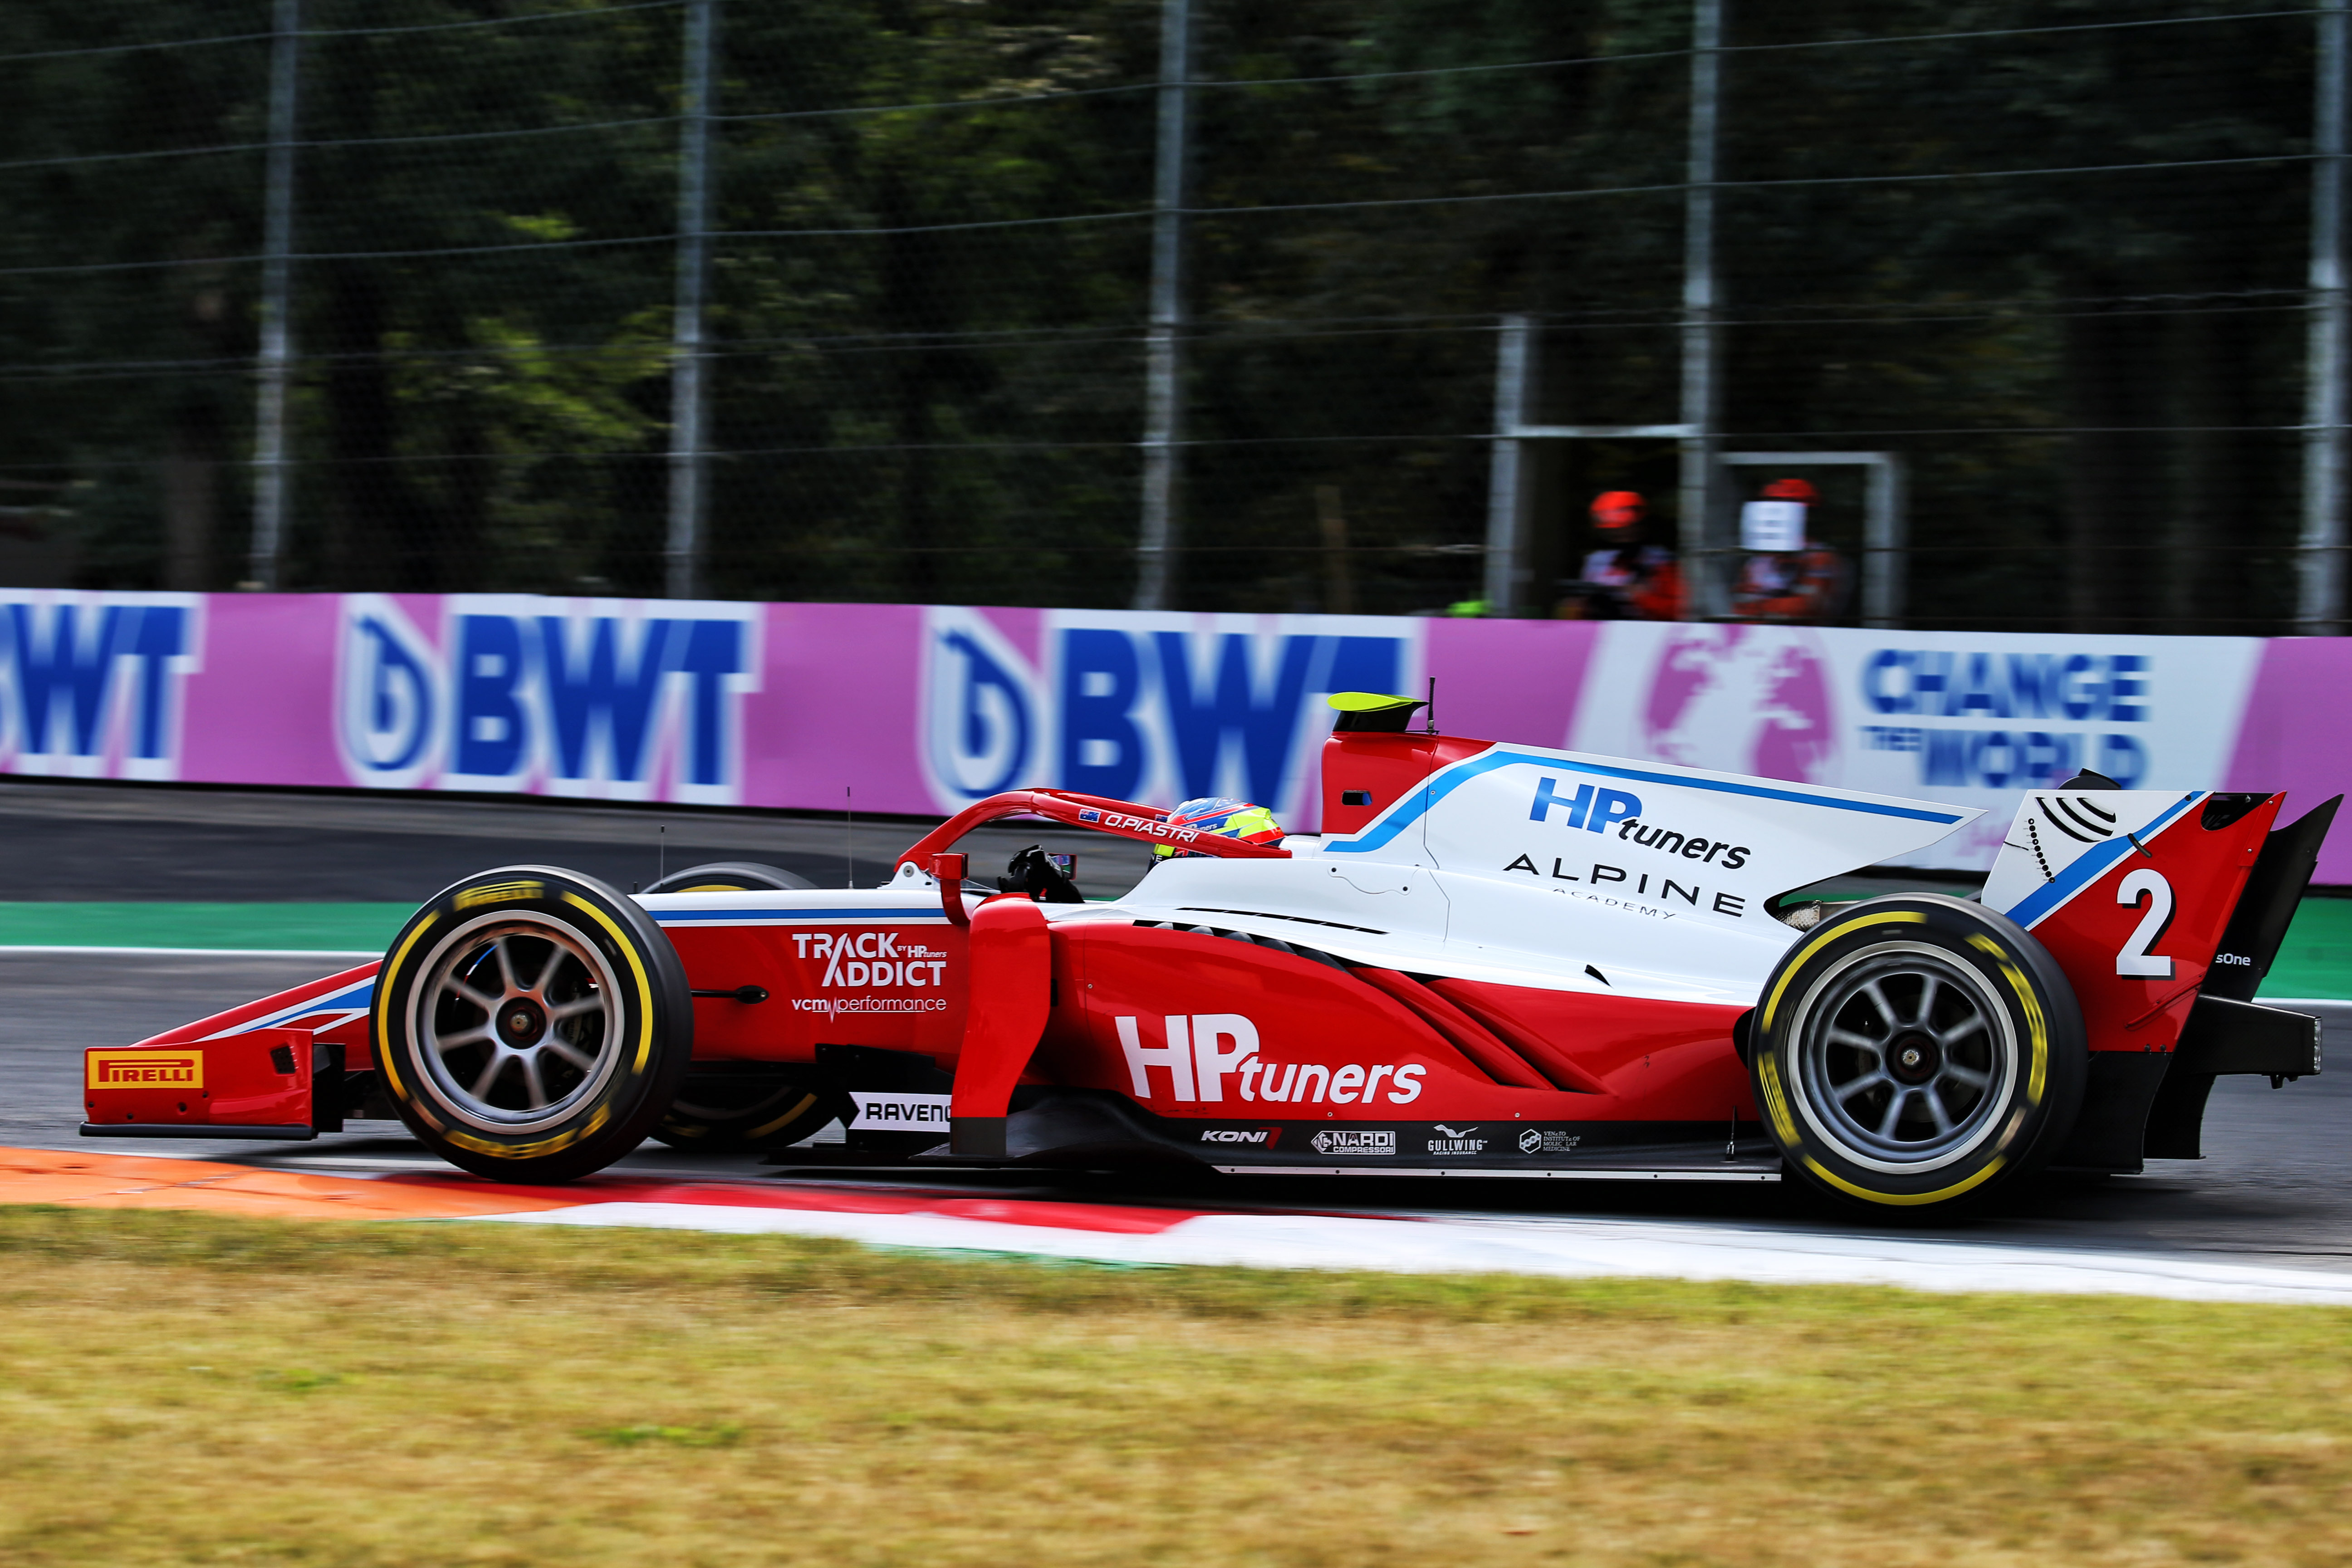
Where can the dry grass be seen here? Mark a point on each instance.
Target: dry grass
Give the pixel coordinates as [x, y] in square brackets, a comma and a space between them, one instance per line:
[184, 1388]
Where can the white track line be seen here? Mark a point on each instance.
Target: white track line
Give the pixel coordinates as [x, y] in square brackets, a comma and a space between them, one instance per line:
[1575, 1249]
[324, 953]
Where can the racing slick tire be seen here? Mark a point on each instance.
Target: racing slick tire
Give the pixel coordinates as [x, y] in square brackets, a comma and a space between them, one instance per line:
[531, 1025]
[1916, 1053]
[732, 876]
[725, 1111]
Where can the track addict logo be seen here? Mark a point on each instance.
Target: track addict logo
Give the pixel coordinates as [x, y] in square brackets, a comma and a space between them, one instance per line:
[1204, 1049]
[875, 959]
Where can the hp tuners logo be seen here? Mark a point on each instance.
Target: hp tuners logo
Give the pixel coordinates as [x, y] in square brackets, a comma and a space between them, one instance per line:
[612, 699]
[91, 685]
[1154, 708]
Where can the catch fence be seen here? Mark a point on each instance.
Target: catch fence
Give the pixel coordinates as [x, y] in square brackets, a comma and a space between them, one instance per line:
[1188, 304]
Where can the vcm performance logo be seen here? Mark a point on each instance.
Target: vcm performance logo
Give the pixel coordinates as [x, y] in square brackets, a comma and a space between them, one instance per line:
[92, 685]
[145, 1070]
[614, 698]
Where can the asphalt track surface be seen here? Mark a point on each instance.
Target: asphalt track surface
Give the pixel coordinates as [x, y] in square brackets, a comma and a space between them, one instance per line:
[2275, 1187]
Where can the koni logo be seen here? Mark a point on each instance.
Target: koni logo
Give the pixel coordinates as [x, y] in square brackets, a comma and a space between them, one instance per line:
[614, 698]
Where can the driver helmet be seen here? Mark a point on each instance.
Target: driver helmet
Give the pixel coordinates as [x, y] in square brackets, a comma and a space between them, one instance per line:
[1224, 816]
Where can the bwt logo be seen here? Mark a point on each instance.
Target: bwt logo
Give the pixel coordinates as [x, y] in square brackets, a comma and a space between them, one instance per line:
[1144, 707]
[92, 685]
[605, 698]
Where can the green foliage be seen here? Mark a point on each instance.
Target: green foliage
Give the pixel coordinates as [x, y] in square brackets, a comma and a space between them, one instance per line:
[928, 288]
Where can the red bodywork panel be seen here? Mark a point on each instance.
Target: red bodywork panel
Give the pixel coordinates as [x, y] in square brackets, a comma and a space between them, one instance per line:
[863, 983]
[2202, 871]
[1385, 766]
[1333, 1045]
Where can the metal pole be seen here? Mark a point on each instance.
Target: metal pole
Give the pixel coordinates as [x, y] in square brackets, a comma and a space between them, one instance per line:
[688, 461]
[1703, 594]
[1885, 545]
[1162, 533]
[276, 292]
[2319, 607]
[1507, 534]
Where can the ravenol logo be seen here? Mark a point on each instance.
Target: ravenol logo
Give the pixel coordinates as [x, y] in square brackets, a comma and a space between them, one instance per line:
[91, 685]
[145, 1070]
[611, 699]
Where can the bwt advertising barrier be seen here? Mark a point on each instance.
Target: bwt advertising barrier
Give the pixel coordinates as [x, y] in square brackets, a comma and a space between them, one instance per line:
[922, 710]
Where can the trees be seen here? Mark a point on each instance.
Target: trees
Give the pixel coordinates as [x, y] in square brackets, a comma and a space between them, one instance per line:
[928, 295]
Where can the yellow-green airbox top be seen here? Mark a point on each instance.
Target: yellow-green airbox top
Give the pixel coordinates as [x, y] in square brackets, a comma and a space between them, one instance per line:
[1373, 711]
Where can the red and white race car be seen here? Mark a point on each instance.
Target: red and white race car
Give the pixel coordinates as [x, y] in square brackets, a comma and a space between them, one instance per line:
[1494, 959]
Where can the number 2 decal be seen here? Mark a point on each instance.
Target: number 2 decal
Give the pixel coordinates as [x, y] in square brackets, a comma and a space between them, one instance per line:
[2135, 961]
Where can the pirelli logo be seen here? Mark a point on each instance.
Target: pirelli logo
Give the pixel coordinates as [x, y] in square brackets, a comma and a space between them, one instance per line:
[145, 1070]
[501, 893]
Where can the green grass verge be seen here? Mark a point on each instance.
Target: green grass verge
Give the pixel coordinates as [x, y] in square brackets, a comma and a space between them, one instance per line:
[331, 928]
[2316, 958]
[184, 1388]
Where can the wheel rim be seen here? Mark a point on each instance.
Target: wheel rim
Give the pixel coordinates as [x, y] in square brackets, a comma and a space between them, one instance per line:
[1904, 1058]
[517, 1023]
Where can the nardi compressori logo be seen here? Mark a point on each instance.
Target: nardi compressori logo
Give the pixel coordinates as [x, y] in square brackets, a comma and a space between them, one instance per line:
[146, 1069]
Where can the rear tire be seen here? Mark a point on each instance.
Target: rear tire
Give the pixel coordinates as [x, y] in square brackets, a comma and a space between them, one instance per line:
[531, 1025]
[1918, 1053]
[732, 876]
[717, 1111]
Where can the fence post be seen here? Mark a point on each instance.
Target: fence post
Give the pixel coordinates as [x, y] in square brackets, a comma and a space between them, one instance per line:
[1506, 486]
[688, 465]
[268, 542]
[1162, 532]
[1702, 595]
[2319, 588]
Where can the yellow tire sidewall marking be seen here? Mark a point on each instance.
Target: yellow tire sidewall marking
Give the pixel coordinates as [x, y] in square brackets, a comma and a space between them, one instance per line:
[1822, 938]
[386, 977]
[636, 970]
[1905, 1200]
[2036, 1026]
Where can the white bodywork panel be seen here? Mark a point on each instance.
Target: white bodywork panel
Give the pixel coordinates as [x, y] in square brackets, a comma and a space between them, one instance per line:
[1560, 871]
[2064, 840]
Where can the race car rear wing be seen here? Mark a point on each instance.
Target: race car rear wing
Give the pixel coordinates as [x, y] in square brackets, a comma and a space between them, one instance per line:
[2258, 925]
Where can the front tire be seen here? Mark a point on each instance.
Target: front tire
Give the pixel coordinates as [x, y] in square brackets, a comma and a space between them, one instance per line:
[1918, 1053]
[531, 1025]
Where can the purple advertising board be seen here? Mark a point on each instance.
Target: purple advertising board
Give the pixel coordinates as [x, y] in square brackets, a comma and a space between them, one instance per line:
[919, 709]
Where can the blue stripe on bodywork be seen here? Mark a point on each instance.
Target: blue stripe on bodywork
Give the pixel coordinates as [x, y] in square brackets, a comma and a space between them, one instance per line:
[1410, 810]
[673, 917]
[350, 999]
[2045, 900]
